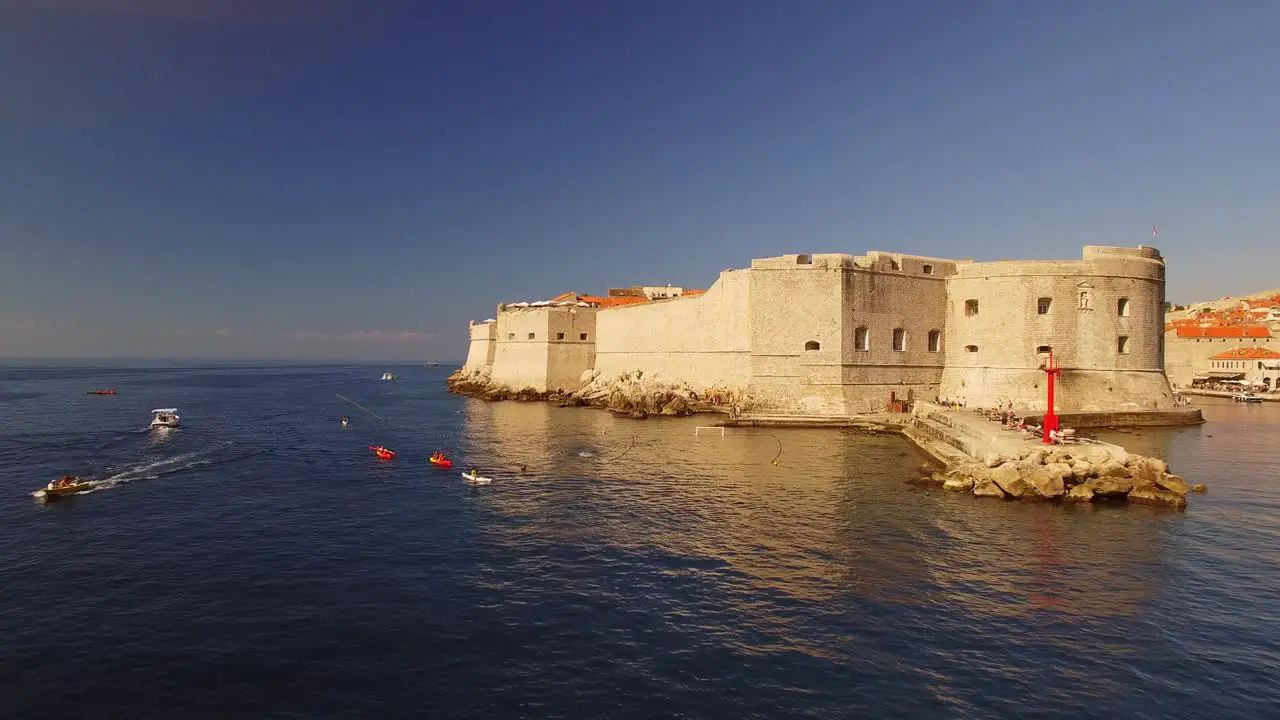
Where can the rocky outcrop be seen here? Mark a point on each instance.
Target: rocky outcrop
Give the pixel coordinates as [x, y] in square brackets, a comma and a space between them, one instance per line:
[1084, 474]
[633, 394]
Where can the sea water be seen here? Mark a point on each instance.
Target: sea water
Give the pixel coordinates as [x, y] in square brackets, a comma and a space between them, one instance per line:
[260, 562]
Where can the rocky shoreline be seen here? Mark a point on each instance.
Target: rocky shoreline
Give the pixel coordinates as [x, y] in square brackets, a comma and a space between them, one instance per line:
[633, 394]
[1087, 474]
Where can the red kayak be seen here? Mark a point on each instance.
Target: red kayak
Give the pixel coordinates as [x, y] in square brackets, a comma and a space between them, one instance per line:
[382, 453]
[445, 463]
[109, 391]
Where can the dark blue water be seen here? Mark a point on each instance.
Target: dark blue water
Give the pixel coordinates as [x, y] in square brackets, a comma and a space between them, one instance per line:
[259, 563]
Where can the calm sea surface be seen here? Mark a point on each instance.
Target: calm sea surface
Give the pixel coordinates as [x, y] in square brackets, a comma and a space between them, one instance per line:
[260, 563]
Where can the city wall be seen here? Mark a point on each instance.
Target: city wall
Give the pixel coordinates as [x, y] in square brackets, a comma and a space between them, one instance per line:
[545, 348]
[703, 340]
[480, 353]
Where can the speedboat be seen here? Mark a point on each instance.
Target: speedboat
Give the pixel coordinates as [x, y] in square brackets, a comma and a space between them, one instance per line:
[164, 418]
[62, 487]
[382, 452]
[388, 376]
[1247, 398]
[104, 391]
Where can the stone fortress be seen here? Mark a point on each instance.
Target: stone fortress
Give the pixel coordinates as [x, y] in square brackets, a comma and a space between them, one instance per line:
[839, 335]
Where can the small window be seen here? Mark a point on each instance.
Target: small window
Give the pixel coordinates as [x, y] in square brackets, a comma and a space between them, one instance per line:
[935, 341]
[971, 348]
[1122, 344]
[804, 260]
[559, 336]
[511, 336]
[1122, 307]
[813, 345]
[861, 339]
[970, 307]
[899, 339]
[530, 336]
[1042, 305]
[927, 269]
[582, 336]
[893, 264]
[1044, 349]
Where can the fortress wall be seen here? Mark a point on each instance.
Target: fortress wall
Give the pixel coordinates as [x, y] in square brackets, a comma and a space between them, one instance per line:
[483, 344]
[1083, 326]
[703, 340]
[520, 361]
[571, 333]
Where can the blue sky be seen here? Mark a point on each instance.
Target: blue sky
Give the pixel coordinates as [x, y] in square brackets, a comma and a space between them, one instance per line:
[355, 180]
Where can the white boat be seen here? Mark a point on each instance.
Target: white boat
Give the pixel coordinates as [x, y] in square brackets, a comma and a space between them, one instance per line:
[1246, 398]
[164, 418]
[388, 376]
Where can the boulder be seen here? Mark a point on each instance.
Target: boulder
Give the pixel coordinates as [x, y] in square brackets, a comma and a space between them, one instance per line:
[1080, 493]
[1110, 487]
[1081, 468]
[1009, 478]
[1173, 483]
[961, 482]
[1154, 495]
[1047, 480]
[638, 415]
[1112, 469]
[1198, 488]
[994, 460]
[678, 406]
[987, 488]
[1034, 456]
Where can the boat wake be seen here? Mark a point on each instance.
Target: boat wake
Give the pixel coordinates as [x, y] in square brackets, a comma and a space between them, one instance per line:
[156, 468]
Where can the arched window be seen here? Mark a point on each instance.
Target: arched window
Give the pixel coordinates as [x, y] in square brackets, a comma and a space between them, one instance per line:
[935, 341]
[1122, 307]
[900, 339]
[970, 307]
[1122, 344]
[861, 339]
[971, 348]
[1042, 306]
[812, 345]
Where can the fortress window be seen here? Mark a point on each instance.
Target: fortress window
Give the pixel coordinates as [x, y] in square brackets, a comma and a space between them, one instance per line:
[861, 339]
[813, 345]
[970, 307]
[582, 336]
[1044, 349]
[893, 264]
[530, 336]
[1042, 305]
[899, 339]
[1122, 307]
[971, 348]
[511, 336]
[1122, 344]
[935, 341]
[927, 269]
[559, 336]
[804, 260]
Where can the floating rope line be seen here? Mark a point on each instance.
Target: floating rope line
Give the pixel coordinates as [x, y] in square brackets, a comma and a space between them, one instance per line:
[353, 402]
[624, 452]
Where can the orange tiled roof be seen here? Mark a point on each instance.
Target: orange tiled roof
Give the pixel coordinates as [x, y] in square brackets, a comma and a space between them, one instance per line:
[688, 293]
[1245, 331]
[1250, 353]
[608, 302]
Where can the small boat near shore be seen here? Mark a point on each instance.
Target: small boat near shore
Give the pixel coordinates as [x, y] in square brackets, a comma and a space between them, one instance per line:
[1246, 397]
[103, 391]
[62, 487]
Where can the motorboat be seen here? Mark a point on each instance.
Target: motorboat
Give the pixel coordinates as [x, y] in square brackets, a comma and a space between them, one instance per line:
[1246, 397]
[62, 487]
[388, 376]
[164, 418]
[382, 452]
[104, 391]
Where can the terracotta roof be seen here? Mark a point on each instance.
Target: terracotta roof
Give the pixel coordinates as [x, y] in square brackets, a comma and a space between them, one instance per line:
[687, 293]
[1249, 353]
[1246, 331]
[608, 302]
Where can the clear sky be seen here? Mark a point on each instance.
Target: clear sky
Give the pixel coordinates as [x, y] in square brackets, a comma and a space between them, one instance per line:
[331, 179]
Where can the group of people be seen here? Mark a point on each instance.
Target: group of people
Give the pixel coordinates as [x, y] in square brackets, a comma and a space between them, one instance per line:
[65, 481]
